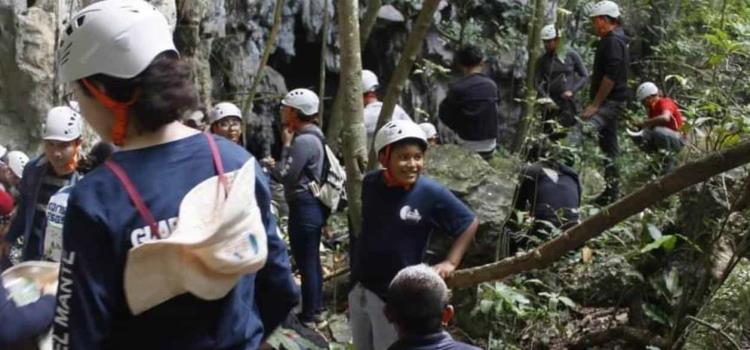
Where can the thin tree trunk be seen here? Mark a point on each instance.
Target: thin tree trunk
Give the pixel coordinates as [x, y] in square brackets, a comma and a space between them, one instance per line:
[323, 55]
[408, 56]
[535, 26]
[549, 252]
[350, 88]
[369, 20]
[247, 106]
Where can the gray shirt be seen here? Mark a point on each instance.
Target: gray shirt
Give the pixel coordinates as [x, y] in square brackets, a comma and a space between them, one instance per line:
[302, 158]
[554, 76]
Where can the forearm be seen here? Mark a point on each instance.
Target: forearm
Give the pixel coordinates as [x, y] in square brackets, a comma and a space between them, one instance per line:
[605, 87]
[656, 121]
[459, 247]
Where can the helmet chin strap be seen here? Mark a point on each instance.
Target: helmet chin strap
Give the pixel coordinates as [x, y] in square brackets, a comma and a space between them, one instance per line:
[120, 109]
[390, 179]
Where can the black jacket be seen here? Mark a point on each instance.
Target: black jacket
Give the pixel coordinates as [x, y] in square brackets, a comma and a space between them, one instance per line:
[554, 200]
[612, 60]
[470, 109]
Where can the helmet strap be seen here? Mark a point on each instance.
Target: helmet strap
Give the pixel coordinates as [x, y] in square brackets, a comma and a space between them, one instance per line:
[120, 109]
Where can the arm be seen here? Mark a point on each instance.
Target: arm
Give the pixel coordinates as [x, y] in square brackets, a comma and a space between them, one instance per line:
[539, 78]
[88, 282]
[453, 216]
[23, 323]
[457, 251]
[294, 159]
[18, 224]
[604, 89]
[662, 119]
[448, 110]
[275, 291]
[580, 69]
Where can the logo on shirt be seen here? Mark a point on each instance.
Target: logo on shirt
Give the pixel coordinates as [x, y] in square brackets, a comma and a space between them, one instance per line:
[410, 215]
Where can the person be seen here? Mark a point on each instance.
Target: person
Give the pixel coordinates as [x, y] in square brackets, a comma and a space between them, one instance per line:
[660, 132]
[551, 192]
[226, 121]
[609, 91]
[123, 215]
[301, 163]
[371, 112]
[43, 177]
[559, 75]
[419, 306]
[17, 161]
[470, 108]
[430, 133]
[400, 209]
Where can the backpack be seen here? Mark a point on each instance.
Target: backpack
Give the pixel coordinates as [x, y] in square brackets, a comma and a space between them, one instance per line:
[329, 189]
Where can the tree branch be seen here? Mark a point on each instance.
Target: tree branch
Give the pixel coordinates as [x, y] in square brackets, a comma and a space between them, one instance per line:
[411, 50]
[715, 329]
[546, 254]
[368, 21]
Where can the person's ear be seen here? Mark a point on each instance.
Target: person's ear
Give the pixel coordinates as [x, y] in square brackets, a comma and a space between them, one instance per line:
[448, 314]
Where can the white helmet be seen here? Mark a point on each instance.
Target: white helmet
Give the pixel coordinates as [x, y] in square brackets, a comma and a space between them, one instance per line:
[645, 90]
[119, 38]
[222, 110]
[397, 130]
[549, 32]
[17, 161]
[304, 100]
[62, 124]
[605, 8]
[369, 81]
[429, 130]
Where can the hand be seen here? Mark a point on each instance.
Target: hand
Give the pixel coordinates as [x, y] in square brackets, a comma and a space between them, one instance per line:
[286, 136]
[567, 95]
[589, 112]
[445, 269]
[268, 162]
[50, 288]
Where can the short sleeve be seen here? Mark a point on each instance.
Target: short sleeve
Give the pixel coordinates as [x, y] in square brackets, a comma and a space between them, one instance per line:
[451, 215]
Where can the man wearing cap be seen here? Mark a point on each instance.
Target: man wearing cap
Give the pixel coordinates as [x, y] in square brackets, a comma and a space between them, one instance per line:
[470, 108]
[430, 132]
[300, 165]
[43, 177]
[370, 85]
[559, 75]
[609, 91]
[226, 121]
[661, 130]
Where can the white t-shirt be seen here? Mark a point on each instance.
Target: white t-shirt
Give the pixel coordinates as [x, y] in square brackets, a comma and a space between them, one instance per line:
[56, 209]
[372, 112]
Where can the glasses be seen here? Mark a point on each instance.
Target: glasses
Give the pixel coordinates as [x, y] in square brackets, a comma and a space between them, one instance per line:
[229, 123]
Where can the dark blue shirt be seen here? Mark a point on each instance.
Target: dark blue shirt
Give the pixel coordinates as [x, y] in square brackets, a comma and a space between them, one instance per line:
[396, 225]
[23, 323]
[101, 225]
[436, 341]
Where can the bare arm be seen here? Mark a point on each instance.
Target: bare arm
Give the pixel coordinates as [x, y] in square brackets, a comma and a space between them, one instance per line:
[662, 119]
[458, 249]
[605, 88]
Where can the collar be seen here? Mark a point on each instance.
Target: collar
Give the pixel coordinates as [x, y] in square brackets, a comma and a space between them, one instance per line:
[428, 339]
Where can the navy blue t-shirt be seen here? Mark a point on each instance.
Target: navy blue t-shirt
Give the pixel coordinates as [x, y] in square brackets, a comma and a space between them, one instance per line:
[396, 225]
[436, 341]
[101, 225]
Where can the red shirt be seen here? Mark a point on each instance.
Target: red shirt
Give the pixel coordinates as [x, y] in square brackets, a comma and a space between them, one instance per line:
[667, 104]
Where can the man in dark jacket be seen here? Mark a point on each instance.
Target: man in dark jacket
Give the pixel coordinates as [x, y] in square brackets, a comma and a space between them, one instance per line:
[418, 305]
[560, 74]
[609, 91]
[470, 108]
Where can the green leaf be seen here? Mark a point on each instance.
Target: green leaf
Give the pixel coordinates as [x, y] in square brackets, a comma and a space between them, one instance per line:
[567, 302]
[666, 242]
[654, 232]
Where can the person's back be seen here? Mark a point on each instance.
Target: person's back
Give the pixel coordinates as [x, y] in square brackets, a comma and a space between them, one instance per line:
[554, 191]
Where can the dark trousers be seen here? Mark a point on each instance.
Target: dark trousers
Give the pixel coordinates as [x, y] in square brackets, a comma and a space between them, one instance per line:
[307, 216]
[564, 115]
[605, 121]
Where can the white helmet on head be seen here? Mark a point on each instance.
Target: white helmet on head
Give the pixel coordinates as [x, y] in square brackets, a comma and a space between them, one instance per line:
[17, 161]
[645, 90]
[429, 130]
[549, 32]
[304, 100]
[397, 130]
[222, 110]
[62, 124]
[605, 8]
[118, 38]
[369, 81]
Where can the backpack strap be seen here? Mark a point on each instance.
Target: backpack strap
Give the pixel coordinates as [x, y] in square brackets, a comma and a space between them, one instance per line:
[217, 162]
[135, 197]
[326, 162]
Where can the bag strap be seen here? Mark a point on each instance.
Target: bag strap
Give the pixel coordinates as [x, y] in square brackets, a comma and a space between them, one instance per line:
[217, 162]
[134, 196]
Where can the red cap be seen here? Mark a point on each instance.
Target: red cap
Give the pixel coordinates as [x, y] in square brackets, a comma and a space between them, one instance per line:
[6, 203]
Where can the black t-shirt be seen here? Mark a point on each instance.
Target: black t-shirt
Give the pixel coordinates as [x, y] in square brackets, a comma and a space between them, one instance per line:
[612, 60]
[470, 108]
[551, 191]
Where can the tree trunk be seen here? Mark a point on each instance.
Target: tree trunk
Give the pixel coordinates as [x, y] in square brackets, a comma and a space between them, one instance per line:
[247, 106]
[368, 21]
[549, 252]
[323, 55]
[408, 56]
[350, 87]
[535, 26]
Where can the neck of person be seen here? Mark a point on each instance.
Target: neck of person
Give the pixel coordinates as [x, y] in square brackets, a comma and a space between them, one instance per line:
[607, 28]
[369, 98]
[473, 70]
[301, 125]
[168, 133]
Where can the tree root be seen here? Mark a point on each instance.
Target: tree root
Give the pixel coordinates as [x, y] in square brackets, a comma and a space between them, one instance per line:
[631, 335]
